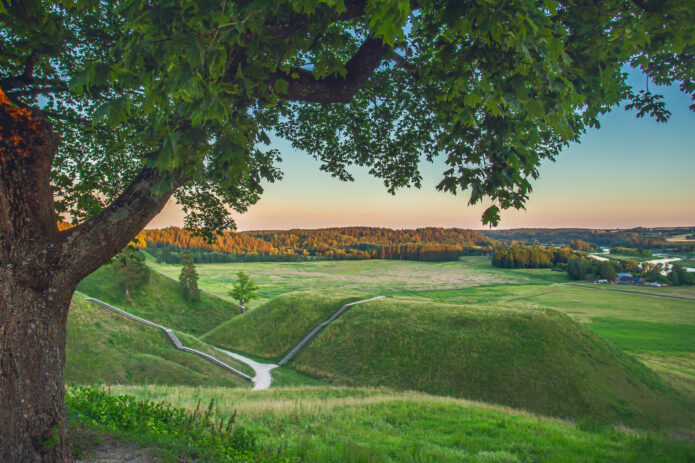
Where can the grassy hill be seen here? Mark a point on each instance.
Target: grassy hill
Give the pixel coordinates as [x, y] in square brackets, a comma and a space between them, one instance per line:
[538, 360]
[271, 330]
[160, 301]
[104, 347]
[358, 425]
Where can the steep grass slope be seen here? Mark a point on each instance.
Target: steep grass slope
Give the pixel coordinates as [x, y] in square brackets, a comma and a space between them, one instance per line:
[540, 361]
[160, 301]
[103, 347]
[346, 425]
[273, 329]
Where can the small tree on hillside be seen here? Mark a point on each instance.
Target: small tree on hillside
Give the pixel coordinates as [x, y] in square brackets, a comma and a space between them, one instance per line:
[243, 289]
[130, 272]
[188, 280]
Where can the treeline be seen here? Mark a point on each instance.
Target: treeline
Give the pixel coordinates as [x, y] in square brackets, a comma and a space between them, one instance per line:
[349, 243]
[650, 238]
[531, 257]
[580, 268]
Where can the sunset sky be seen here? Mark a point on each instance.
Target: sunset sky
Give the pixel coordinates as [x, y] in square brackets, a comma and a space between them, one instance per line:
[631, 172]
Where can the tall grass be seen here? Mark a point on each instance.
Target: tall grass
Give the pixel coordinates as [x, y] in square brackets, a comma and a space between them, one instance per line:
[350, 425]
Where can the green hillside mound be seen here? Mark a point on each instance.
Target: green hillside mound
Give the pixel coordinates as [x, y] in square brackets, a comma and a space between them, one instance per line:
[540, 361]
[274, 328]
[351, 425]
[104, 347]
[160, 301]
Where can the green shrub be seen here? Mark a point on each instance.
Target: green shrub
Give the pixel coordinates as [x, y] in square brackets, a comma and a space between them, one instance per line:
[199, 435]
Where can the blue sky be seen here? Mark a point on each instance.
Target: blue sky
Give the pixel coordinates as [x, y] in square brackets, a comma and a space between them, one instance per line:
[630, 172]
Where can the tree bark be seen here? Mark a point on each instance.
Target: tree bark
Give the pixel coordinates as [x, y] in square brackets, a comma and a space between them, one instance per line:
[40, 268]
[34, 295]
[33, 421]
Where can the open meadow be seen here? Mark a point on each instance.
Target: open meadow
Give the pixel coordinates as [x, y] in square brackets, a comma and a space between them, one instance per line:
[657, 331]
[452, 355]
[389, 277]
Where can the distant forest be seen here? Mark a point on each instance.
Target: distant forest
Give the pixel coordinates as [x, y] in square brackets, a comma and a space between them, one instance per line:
[647, 238]
[426, 244]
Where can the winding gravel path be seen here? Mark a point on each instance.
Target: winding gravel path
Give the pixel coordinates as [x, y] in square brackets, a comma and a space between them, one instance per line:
[262, 379]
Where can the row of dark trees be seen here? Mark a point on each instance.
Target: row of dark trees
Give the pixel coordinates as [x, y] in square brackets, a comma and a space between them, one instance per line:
[580, 268]
[531, 256]
[650, 238]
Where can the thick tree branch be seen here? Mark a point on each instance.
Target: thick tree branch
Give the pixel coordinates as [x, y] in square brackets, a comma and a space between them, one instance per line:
[91, 244]
[17, 84]
[30, 64]
[337, 89]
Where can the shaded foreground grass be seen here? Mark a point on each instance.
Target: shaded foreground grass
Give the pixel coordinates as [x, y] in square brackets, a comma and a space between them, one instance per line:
[535, 360]
[376, 425]
[273, 329]
[104, 347]
[160, 301]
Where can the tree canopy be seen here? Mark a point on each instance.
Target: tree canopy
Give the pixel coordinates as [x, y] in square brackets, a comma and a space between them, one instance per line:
[183, 95]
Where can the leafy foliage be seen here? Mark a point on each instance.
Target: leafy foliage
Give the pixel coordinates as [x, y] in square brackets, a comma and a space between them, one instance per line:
[243, 290]
[195, 88]
[531, 257]
[200, 435]
[130, 272]
[428, 244]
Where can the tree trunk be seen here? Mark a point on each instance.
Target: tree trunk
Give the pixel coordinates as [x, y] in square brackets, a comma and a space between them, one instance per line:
[40, 267]
[35, 292]
[33, 322]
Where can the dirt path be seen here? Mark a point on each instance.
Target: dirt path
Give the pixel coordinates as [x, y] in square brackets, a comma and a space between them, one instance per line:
[262, 378]
[114, 450]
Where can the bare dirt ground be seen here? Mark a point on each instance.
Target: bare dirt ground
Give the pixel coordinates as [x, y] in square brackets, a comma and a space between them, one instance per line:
[113, 450]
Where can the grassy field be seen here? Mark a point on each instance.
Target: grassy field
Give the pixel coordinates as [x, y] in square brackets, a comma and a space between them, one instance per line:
[581, 303]
[674, 291]
[535, 360]
[349, 425]
[366, 276]
[467, 329]
[104, 347]
[160, 301]
[273, 329]
[471, 281]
